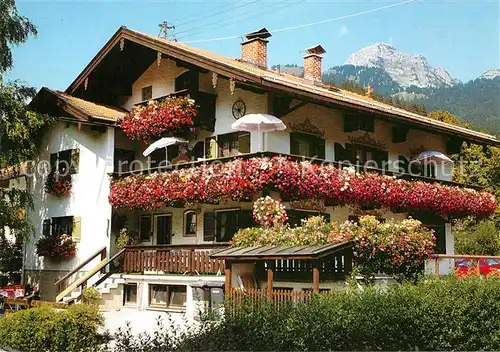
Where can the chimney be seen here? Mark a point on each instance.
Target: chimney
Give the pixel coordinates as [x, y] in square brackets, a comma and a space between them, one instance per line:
[312, 64]
[254, 49]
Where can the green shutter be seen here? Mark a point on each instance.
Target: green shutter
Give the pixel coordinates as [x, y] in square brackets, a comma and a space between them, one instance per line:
[209, 226]
[46, 228]
[294, 144]
[339, 152]
[350, 122]
[403, 164]
[75, 161]
[244, 142]
[320, 148]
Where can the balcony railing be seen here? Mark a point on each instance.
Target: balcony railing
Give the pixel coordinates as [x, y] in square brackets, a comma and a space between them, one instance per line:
[172, 259]
[204, 101]
[339, 164]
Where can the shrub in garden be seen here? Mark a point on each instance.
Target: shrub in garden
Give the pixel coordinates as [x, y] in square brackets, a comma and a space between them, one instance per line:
[446, 314]
[45, 329]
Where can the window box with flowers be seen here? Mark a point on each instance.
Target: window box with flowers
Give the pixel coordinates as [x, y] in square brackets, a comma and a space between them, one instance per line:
[57, 240]
[63, 165]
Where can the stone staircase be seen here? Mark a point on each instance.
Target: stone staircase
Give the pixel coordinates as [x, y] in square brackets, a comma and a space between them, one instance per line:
[105, 288]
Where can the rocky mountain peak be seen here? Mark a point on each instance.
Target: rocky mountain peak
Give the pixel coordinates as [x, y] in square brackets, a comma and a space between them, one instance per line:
[405, 69]
[491, 74]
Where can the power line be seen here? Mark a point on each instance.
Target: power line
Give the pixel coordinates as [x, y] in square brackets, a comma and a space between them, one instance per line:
[230, 3]
[244, 17]
[310, 24]
[213, 14]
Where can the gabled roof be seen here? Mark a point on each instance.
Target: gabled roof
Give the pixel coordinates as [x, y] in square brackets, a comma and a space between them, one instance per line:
[82, 109]
[280, 252]
[272, 80]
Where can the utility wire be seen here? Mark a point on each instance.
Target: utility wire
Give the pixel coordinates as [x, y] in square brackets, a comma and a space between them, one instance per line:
[213, 14]
[310, 24]
[229, 3]
[243, 17]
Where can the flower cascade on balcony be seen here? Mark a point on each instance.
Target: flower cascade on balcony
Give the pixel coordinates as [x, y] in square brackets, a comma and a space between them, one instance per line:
[169, 116]
[241, 179]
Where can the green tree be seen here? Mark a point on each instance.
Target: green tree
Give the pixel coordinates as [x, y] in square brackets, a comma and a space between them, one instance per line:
[19, 133]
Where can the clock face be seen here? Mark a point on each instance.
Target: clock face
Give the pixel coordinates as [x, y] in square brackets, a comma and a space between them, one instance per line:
[239, 109]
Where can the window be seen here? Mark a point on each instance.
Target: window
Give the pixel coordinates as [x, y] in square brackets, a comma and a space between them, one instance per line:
[221, 225]
[123, 160]
[187, 80]
[65, 162]
[295, 217]
[308, 145]
[167, 296]
[229, 144]
[145, 227]
[355, 121]
[364, 155]
[130, 294]
[147, 93]
[58, 226]
[190, 222]
[158, 158]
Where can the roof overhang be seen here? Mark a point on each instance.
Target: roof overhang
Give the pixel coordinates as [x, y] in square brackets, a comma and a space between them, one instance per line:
[269, 81]
[308, 252]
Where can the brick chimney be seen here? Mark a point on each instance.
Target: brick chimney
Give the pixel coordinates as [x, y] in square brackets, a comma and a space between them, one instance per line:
[254, 49]
[312, 64]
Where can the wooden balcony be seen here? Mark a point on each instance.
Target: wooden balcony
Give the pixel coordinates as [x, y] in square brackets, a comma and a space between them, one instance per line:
[172, 259]
[204, 101]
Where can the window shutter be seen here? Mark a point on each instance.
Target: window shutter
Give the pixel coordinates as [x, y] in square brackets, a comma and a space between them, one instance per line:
[320, 148]
[440, 233]
[245, 219]
[77, 229]
[210, 148]
[350, 123]
[46, 227]
[244, 142]
[75, 161]
[403, 164]
[294, 144]
[209, 226]
[53, 161]
[382, 159]
[339, 152]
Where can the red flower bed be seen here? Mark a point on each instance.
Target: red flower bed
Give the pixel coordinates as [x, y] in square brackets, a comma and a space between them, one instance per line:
[158, 118]
[240, 179]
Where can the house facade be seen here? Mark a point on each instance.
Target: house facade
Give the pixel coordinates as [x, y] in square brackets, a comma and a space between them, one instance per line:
[170, 268]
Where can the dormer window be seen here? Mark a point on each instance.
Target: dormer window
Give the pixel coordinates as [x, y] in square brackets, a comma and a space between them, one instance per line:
[147, 93]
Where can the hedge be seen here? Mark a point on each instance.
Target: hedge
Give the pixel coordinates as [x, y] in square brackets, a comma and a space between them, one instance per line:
[446, 314]
[47, 329]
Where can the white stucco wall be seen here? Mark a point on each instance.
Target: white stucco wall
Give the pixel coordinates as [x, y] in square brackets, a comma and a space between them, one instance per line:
[88, 198]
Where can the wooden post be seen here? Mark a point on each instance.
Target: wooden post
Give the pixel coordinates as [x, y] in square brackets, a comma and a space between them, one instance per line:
[103, 257]
[478, 267]
[437, 267]
[228, 284]
[315, 275]
[270, 277]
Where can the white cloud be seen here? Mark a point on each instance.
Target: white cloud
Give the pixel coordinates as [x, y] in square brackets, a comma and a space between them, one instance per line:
[343, 30]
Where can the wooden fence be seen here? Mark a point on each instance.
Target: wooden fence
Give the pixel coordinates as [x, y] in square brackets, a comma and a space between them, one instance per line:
[171, 259]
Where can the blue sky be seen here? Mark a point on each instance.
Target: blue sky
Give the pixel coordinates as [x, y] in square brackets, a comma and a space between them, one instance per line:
[461, 36]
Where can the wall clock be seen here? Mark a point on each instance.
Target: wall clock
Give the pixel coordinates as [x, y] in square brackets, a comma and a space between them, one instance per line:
[239, 109]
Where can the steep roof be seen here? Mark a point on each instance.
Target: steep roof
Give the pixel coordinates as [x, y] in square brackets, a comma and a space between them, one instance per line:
[86, 109]
[262, 77]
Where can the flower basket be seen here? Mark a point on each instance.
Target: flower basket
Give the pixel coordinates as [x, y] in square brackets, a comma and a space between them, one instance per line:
[59, 246]
[170, 116]
[58, 185]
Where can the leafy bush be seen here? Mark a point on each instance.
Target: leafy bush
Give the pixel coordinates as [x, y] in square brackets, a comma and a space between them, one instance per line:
[446, 314]
[45, 329]
[482, 238]
[91, 295]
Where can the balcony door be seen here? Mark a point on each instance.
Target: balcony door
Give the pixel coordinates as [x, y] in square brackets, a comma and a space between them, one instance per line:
[163, 228]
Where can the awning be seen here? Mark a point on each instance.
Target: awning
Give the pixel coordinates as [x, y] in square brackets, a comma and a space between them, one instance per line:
[280, 252]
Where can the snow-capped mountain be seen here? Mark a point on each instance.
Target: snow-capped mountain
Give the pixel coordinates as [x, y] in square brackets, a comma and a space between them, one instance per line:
[491, 74]
[405, 69]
